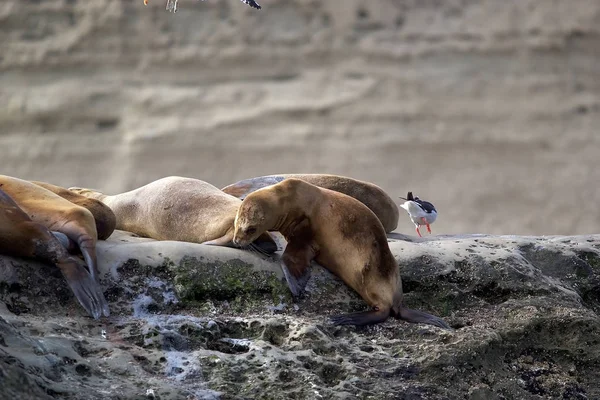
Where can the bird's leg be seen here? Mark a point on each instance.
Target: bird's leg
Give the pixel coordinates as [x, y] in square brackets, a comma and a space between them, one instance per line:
[417, 229]
[426, 224]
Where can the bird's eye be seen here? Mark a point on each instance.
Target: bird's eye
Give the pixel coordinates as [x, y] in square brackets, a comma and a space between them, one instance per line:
[251, 230]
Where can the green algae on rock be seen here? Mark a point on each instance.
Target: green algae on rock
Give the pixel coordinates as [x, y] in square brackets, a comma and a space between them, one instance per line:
[197, 279]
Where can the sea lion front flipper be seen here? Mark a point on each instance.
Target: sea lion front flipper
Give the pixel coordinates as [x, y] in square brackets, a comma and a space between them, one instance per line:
[225, 240]
[265, 244]
[416, 316]
[296, 284]
[296, 258]
[84, 287]
[361, 318]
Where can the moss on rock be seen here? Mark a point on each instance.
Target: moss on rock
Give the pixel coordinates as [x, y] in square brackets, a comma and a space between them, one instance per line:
[233, 280]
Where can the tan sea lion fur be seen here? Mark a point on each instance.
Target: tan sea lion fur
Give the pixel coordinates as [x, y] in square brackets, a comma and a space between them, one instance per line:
[367, 193]
[341, 234]
[106, 221]
[56, 214]
[21, 237]
[177, 208]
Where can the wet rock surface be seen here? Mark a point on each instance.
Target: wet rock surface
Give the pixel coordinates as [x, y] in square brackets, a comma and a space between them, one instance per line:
[201, 322]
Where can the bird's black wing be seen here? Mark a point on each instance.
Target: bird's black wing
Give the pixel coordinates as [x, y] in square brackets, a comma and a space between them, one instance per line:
[426, 206]
[252, 4]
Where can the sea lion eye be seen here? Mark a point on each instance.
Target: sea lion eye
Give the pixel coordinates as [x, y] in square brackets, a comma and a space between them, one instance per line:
[251, 230]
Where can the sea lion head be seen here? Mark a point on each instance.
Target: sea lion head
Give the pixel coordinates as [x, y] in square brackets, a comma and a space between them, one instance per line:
[254, 217]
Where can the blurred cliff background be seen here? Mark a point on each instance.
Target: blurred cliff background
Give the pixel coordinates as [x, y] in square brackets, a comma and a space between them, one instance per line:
[489, 109]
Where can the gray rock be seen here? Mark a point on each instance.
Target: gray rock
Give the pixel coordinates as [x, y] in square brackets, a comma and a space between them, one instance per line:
[193, 321]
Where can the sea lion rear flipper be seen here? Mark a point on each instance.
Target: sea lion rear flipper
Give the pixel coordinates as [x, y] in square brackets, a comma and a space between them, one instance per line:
[244, 187]
[361, 318]
[416, 316]
[86, 243]
[67, 243]
[84, 287]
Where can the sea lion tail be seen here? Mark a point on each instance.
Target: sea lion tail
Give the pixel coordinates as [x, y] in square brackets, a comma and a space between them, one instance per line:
[416, 316]
[84, 287]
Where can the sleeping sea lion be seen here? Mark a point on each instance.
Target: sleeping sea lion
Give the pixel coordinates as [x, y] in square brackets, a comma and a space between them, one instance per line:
[56, 214]
[367, 193]
[177, 208]
[22, 237]
[103, 215]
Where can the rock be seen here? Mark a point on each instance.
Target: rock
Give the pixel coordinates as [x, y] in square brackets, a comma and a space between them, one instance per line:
[194, 321]
[501, 98]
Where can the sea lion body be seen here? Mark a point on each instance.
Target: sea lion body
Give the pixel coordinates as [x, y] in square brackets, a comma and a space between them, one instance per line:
[367, 193]
[56, 214]
[175, 208]
[106, 221]
[22, 237]
[341, 234]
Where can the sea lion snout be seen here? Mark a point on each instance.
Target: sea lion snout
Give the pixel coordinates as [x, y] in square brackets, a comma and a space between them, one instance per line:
[244, 236]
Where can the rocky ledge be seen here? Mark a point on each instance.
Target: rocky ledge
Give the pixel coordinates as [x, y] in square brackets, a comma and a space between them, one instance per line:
[200, 322]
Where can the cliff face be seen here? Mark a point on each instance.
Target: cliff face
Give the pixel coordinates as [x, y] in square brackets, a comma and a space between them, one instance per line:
[490, 109]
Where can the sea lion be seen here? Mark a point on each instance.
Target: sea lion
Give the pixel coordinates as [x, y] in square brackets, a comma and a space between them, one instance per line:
[177, 208]
[56, 214]
[21, 237]
[341, 234]
[103, 215]
[367, 193]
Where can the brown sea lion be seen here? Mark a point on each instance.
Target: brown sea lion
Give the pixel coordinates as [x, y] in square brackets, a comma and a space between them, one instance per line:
[341, 234]
[103, 215]
[177, 208]
[21, 237]
[367, 193]
[56, 214]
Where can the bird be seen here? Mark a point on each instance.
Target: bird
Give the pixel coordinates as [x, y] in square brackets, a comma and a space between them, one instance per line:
[421, 212]
[172, 4]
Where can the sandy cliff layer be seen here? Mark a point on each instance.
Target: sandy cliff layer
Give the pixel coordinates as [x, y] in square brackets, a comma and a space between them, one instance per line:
[498, 101]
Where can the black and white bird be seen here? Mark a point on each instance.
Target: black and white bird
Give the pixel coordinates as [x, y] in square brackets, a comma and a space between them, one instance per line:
[421, 212]
[172, 4]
